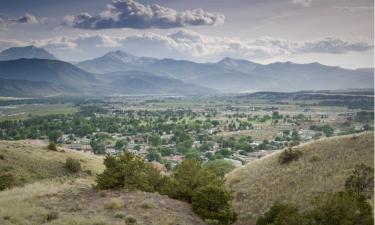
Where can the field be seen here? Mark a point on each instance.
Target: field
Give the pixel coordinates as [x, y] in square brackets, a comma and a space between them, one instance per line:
[323, 167]
[24, 111]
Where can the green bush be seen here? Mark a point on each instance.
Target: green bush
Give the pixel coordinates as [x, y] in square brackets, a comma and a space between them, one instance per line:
[282, 214]
[114, 203]
[220, 167]
[6, 181]
[130, 171]
[213, 203]
[189, 176]
[130, 220]
[72, 165]
[52, 146]
[289, 155]
[361, 182]
[341, 208]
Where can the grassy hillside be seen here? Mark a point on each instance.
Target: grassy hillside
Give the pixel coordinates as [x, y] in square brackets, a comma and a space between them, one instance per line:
[323, 167]
[30, 163]
[50, 196]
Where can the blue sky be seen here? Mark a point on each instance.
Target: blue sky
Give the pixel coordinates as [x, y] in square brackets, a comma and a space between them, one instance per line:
[333, 32]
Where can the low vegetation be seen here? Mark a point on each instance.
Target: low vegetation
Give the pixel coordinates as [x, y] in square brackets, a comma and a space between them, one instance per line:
[346, 207]
[191, 183]
[25, 163]
[258, 185]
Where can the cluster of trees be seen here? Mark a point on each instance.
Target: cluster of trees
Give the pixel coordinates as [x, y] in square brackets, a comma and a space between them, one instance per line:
[349, 207]
[326, 129]
[191, 182]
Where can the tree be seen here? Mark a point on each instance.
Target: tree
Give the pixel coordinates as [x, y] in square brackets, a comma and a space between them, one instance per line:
[120, 144]
[213, 202]
[189, 176]
[153, 155]
[341, 208]
[361, 182]
[130, 171]
[282, 214]
[220, 167]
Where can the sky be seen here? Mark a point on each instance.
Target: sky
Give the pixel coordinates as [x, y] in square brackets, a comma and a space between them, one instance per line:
[331, 32]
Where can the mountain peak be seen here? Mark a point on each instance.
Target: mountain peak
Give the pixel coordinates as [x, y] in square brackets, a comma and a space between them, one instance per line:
[28, 52]
[120, 56]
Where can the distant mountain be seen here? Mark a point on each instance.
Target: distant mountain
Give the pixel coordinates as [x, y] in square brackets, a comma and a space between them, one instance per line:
[53, 72]
[28, 52]
[113, 62]
[140, 82]
[42, 77]
[24, 88]
[235, 75]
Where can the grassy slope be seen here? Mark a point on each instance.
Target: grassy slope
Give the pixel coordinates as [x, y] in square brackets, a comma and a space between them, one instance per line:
[324, 167]
[30, 163]
[49, 190]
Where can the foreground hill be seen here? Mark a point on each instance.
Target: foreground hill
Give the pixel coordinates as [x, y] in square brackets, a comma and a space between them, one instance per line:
[51, 195]
[323, 167]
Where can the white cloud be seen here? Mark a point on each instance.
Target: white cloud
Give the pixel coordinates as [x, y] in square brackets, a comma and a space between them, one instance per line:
[131, 14]
[25, 19]
[304, 3]
[354, 8]
[186, 44]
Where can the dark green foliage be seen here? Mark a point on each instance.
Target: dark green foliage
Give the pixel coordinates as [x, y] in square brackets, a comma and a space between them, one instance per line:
[220, 167]
[282, 214]
[361, 182]
[72, 165]
[153, 155]
[52, 146]
[130, 171]
[7, 180]
[289, 155]
[341, 208]
[213, 203]
[190, 176]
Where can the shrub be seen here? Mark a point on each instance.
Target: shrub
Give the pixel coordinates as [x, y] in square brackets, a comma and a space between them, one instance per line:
[148, 204]
[131, 171]
[361, 182]
[220, 167]
[130, 220]
[189, 176]
[2, 157]
[341, 208]
[72, 165]
[213, 203]
[114, 203]
[289, 155]
[52, 146]
[282, 214]
[6, 181]
[52, 215]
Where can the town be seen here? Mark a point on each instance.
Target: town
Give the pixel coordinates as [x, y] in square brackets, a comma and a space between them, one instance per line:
[167, 129]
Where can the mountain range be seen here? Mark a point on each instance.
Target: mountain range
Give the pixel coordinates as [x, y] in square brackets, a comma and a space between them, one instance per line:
[118, 73]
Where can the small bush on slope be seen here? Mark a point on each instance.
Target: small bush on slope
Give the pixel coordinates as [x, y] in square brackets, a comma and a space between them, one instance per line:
[72, 165]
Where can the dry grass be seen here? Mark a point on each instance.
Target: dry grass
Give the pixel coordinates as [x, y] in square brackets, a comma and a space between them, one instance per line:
[323, 167]
[50, 197]
[29, 163]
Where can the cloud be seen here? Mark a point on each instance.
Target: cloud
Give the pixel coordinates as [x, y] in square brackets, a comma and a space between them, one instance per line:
[25, 19]
[131, 14]
[190, 45]
[304, 3]
[354, 8]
